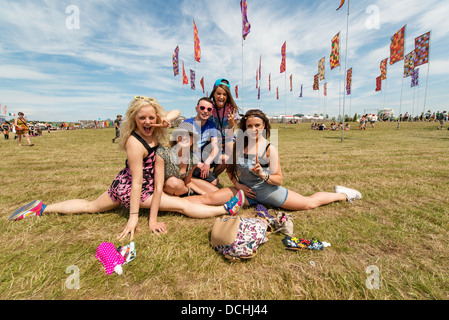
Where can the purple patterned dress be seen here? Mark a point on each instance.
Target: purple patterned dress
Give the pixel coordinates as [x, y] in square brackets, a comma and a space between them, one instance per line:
[120, 190]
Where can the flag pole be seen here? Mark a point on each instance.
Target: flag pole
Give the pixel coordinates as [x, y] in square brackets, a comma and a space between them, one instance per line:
[243, 107]
[285, 99]
[346, 75]
[428, 69]
[402, 86]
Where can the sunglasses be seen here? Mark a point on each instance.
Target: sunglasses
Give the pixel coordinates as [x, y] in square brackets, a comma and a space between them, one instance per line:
[222, 81]
[143, 98]
[202, 108]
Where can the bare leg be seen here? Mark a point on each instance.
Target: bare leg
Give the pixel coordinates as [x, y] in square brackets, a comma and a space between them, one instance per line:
[101, 204]
[19, 138]
[296, 201]
[182, 205]
[27, 136]
[219, 197]
[175, 186]
[206, 186]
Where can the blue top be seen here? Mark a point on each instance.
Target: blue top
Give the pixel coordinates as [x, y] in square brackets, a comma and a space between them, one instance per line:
[206, 132]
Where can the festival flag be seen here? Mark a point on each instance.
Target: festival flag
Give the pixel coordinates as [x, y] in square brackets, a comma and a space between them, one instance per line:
[422, 46]
[202, 83]
[349, 81]
[257, 79]
[283, 63]
[4, 110]
[300, 94]
[397, 46]
[192, 79]
[260, 68]
[378, 83]
[341, 4]
[409, 64]
[277, 93]
[415, 78]
[291, 83]
[321, 71]
[316, 82]
[383, 69]
[237, 92]
[246, 26]
[258, 94]
[269, 82]
[185, 80]
[196, 40]
[325, 89]
[335, 52]
[176, 62]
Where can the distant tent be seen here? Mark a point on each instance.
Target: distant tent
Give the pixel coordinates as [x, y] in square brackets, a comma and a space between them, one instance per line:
[386, 114]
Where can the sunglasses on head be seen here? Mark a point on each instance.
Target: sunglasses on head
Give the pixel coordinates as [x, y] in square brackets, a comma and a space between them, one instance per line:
[202, 108]
[143, 98]
[222, 81]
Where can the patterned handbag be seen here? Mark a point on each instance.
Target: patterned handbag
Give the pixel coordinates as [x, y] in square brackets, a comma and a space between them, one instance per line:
[238, 238]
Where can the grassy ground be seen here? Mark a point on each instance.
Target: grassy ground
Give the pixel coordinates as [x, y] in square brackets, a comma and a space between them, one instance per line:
[400, 227]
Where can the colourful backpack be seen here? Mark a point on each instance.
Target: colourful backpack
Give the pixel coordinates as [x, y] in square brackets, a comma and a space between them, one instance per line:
[238, 238]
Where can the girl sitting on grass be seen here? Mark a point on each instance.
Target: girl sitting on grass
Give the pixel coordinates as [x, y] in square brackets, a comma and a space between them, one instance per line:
[140, 183]
[256, 170]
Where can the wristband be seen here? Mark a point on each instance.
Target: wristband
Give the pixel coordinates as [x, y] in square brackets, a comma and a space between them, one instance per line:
[266, 178]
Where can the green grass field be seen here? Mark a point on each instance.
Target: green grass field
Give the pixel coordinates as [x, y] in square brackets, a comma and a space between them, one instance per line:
[400, 227]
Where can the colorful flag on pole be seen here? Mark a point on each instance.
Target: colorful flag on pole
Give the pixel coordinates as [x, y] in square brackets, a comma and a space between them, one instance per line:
[300, 94]
[321, 67]
[422, 46]
[415, 78]
[196, 41]
[176, 62]
[202, 83]
[277, 93]
[349, 81]
[378, 83]
[257, 79]
[260, 68]
[383, 69]
[335, 52]
[258, 94]
[237, 92]
[316, 82]
[409, 64]
[283, 62]
[192, 79]
[325, 89]
[185, 80]
[291, 83]
[269, 82]
[397, 46]
[341, 4]
[4, 110]
[246, 26]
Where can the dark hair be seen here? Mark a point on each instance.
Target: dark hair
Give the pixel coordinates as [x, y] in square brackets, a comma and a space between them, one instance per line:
[205, 99]
[258, 114]
[228, 92]
[232, 168]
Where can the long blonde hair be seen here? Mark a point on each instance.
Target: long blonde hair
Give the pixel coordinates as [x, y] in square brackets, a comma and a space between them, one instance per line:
[160, 134]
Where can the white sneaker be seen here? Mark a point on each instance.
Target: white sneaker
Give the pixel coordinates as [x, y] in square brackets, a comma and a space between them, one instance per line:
[351, 194]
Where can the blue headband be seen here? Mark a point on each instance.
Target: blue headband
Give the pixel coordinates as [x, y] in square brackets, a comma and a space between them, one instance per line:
[222, 81]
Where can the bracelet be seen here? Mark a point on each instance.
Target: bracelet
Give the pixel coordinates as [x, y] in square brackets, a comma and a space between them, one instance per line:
[266, 178]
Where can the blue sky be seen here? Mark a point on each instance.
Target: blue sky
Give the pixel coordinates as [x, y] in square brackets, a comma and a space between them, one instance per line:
[125, 48]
